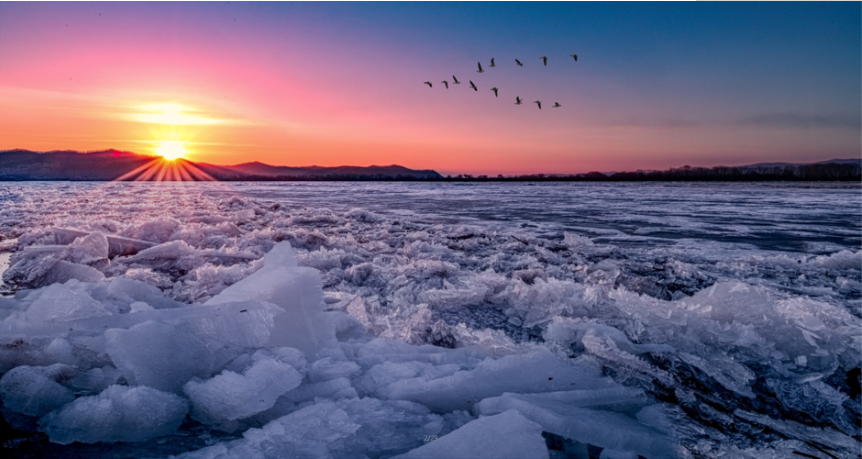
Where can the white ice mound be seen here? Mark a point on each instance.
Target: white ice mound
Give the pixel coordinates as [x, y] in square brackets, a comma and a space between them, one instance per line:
[158, 355]
[119, 413]
[601, 428]
[230, 396]
[508, 435]
[299, 291]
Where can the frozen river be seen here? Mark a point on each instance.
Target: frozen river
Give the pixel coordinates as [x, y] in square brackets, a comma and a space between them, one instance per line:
[719, 320]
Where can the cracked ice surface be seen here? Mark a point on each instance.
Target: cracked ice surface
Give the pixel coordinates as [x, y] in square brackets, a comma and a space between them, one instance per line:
[364, 319]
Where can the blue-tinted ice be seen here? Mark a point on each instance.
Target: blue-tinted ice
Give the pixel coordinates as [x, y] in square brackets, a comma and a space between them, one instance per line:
[660, 320]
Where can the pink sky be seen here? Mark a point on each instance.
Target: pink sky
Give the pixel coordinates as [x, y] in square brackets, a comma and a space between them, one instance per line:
[309, 87]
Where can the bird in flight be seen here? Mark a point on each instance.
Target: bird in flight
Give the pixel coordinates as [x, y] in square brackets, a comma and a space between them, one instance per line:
[540, 104]
[495, 91]
[492, 62]
[575, 56]
[545, 59]
[557, 104]
[518, 100]
[480, 68]
[429, 84]
[519, 63]
[473, 86]
[455, 80]
[446, 83]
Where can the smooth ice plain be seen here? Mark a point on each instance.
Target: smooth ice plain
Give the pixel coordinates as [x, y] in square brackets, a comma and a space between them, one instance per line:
[410, 320]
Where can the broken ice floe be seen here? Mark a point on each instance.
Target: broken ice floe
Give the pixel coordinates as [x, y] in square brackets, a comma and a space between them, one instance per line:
[264, 352]
[719, 345]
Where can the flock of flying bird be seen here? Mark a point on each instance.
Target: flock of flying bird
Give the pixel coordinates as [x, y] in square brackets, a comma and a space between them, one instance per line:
[518, 100]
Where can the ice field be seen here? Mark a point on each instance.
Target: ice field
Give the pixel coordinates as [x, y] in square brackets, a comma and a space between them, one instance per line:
[431, 320]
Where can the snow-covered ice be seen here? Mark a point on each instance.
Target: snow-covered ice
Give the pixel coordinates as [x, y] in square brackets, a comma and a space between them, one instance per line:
[331, 320]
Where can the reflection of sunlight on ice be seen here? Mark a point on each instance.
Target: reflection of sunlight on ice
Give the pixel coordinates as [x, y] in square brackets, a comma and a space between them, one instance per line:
[162, 169]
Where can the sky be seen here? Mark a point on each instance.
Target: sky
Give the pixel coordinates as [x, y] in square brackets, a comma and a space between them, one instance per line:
[656, 84]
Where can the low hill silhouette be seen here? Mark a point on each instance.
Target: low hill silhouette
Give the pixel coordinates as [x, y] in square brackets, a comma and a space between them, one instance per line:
[112, 164]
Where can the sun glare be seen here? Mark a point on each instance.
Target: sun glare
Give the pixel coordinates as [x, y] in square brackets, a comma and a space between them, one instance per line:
[171, 149]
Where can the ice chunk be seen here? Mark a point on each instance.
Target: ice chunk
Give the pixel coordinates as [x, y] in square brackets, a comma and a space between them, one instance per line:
[327, 368]
[158, 355]
[330, 389]
[349, 428]
[64, 302]
[569, 331]
[63, 271]
[244, 324]
[27, 390]
[299, 291]
[119, 413]
[600, 428]
[87, 250]
[537, 371]
[117, 245]
[95, 380]
[166, 251]
[506, 435]
[158, 231]
[231, 396]
[305, 433]
[30, 265]
[129, 290]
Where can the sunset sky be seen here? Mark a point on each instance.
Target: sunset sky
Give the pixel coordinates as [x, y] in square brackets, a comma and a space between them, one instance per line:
[655, 85]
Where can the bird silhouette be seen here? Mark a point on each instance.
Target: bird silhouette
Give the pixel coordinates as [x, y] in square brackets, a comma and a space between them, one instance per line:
[455, 80]
[429, 84]
[545, 59]
[557, 104]
[575, 56]
[540, 104]
[519, 63]
[480, 68]
[492, 62]
[518, 100]
[473, 86]
[446, 83]
[495, 91]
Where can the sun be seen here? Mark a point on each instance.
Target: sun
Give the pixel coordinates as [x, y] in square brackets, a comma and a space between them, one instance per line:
[171, 149]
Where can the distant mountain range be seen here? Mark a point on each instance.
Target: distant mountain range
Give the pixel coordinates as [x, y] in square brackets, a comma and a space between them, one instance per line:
[20, 165]
[114, 164]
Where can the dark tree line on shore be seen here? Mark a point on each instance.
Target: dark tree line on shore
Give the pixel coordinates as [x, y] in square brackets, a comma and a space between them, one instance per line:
[797, 173]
